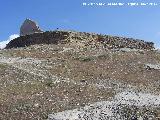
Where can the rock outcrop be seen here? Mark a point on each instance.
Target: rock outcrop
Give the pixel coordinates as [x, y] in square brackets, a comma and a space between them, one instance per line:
[29, 27]
[80, 39]
[152, 66]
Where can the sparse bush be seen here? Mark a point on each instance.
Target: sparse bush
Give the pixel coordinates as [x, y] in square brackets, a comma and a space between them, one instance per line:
[128, 112]
[103, 56]
[84, 59]
[134, 112]
[141, 52]
[2, 66]
[49, 83]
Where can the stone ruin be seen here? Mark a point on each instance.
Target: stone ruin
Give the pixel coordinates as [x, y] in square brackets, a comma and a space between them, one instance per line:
[80, 38]
[29, 27]
[31, 34]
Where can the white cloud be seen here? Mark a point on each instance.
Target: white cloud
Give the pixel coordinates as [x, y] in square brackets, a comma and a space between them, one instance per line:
[11, 37]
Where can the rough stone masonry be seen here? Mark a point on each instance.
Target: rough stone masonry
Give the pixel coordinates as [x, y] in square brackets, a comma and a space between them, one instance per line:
[31, 34]
[29, 27]
[55, 37]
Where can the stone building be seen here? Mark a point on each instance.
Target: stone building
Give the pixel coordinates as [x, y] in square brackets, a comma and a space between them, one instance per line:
[29, 27]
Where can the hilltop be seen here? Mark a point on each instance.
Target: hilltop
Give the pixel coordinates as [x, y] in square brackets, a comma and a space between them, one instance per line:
[81, 39]
[39, 80]
[69, 75]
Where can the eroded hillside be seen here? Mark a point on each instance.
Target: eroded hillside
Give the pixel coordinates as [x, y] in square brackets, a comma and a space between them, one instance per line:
[82, 39]
[39, 80]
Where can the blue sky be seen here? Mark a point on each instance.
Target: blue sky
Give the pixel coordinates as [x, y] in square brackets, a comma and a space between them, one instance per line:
[142, 22]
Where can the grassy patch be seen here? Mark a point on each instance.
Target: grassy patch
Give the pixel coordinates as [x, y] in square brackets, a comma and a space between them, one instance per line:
[2, 66]
[49, 83]
[103, 56]
[26, 88]
[84, 58]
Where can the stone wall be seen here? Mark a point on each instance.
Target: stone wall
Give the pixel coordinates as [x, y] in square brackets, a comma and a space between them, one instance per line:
[55, 37]
[29, 27]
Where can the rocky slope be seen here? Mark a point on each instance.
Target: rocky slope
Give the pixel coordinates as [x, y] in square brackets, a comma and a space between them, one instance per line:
[80, 38]
[79, 80]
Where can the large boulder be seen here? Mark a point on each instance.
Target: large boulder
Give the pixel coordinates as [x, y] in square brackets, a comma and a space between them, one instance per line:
[29, 27]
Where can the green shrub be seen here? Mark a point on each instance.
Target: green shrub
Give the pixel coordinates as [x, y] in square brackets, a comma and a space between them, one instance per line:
[49, 83]
[2, 66]
[84, 59]
[103, 56]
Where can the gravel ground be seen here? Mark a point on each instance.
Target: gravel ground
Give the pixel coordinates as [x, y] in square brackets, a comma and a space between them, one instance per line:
[115, 109]
[59, 81]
